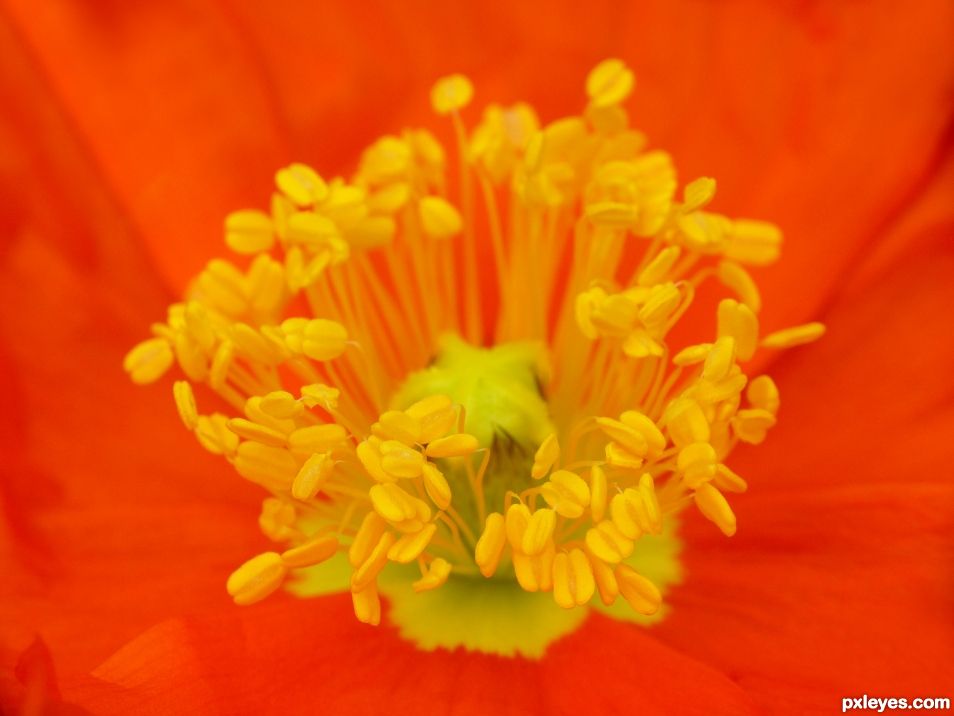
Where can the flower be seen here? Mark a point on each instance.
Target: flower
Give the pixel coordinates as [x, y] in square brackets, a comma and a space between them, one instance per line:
[396, 418]
[799, 561]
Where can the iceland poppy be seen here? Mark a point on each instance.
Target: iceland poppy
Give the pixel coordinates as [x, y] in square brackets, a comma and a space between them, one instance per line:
[548, 468]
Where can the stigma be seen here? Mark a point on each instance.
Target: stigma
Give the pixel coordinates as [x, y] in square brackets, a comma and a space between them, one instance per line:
[464, 362]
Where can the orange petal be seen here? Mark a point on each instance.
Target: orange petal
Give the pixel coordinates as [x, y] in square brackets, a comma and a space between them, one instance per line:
[256, 660]
[97, 499]
[867, 402]
[818, 595]
[174, 110]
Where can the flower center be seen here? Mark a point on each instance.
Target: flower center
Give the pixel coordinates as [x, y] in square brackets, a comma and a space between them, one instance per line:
[492, 493]
[498, 394]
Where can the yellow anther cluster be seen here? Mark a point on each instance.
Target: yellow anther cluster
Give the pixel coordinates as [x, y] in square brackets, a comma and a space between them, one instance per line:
[639, 317]
[351, 339]
[635, 194]
[398, 499]
[498, 142]
[406, 175]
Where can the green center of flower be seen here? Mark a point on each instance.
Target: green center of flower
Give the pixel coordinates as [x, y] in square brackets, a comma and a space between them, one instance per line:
[498, 388]
[499, 391]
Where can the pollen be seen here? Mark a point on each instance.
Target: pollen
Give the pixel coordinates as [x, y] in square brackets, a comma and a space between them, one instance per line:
[474, 362]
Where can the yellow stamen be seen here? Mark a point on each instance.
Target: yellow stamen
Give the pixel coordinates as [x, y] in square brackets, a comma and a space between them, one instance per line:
[597, 493]
[368, 571]
[451, 94]
[313, 552]
[567, 493]
[763, 393]
[642, 595]
[436, 486]
[573, 582]
[214, 435]
[539, 531]
[301, 184]
[319, 339]
[609, 83]
[547, 454]
[794, 336]
[738, 279]
[367, 605]
[409, 547]
[739, 322]
[281, 405]
[606, 542]
[605, 579]
[249, 232]
[149, 360]
[439, 218]
[271, 467]
[312, 476]
[713, 505]
[698, 193]
[257, 578]
[317, 438]
[249, 430]
[452, 446]
[185, 404]
[437, 573]
[491, 544]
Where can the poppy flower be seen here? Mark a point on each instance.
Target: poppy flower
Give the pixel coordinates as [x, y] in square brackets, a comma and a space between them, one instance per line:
[136, 130]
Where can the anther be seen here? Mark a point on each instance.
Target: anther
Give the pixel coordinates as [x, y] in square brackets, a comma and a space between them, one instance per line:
[257, 578]
[437, 573]
[641, 594]
[185, 404]
[491, 544]
[451, 93]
